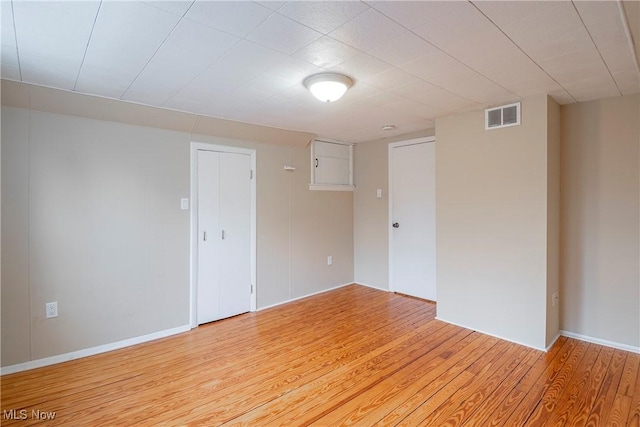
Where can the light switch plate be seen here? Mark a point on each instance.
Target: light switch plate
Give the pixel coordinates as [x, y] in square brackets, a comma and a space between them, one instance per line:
[184, 204]
[379, 193]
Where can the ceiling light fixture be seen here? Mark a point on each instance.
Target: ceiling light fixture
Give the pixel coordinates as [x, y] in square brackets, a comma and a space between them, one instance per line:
[388, 127]
[328, 87]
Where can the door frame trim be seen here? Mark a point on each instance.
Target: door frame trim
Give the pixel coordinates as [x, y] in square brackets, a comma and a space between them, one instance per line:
[390, 184]
[193, 222]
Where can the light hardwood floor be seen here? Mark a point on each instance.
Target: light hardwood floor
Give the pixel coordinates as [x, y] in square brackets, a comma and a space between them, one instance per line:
[350, 356]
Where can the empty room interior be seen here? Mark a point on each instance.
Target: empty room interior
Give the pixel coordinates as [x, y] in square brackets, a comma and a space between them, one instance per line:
[320, 213]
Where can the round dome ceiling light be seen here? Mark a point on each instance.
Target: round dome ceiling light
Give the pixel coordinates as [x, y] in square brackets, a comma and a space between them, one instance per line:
[328, 87]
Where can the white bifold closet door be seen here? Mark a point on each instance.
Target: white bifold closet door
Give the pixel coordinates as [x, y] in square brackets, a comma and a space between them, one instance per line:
[224, 235]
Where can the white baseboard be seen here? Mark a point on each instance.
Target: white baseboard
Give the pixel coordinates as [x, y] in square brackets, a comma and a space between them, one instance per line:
[606, 343]
[32, 364]
[492, 335]
[306, 296]
[553, 342]
[372, 287]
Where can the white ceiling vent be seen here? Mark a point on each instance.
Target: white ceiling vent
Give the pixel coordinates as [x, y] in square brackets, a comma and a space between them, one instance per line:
[502, 117]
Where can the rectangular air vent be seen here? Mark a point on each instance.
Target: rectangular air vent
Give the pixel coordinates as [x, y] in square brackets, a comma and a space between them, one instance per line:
[501, 117]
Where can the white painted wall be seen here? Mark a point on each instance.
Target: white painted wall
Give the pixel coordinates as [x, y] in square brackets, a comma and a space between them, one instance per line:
[600, 295]
[491, 204]
[371, 214]
[91, 219]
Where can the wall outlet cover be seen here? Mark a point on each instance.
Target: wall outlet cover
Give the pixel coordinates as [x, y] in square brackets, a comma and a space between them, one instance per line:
[51, 309]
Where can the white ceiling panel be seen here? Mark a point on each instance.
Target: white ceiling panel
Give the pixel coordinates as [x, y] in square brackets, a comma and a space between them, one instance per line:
[470, 24]
[9, 57]
[627, 81]
[362, 66]
[422, 91]
[124, 38]
[177, 7]
[404, 48]
[542, 29]
[412, 14]
[435, 64]
[7, 32]
[48, 71]
[10, 72]
[368, 30]
[188, 51]
[55, 29]
[416, 109]
[491, 54]
[322, 16]
[250, 58]
[234, 17]
[52, 39]
[244, 62]
[556, 38]
[292, 70]
[562, 97]
[530, 87]
[326, 52]
[283, 34]
[273, 5]
[471, 85]
[102, 81]
[390, 79]
[579, 70]
[589, 92]
[411, 61]
[604, 23]
[266, 85]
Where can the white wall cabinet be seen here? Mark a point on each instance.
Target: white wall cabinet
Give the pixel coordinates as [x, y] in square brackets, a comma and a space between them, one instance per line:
[331, 166]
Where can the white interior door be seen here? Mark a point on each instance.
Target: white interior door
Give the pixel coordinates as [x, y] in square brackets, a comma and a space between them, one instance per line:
[224, 235]
[412, 234]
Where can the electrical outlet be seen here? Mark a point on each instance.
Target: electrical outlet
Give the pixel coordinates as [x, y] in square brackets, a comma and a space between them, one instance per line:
[51, 309]
[329, 260]
[554, 299]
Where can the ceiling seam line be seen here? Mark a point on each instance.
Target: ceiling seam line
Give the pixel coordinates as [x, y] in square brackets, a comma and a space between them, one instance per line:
[596, 47]
[627, 30]
[15, 35]
[408, 72]
[465, 65]
[86, 48]
[449, 55]
[203, 71]
[522, 50]
[240, 40]
[156, 51]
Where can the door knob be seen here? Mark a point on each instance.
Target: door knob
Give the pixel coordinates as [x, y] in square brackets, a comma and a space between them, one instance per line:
[396, 225]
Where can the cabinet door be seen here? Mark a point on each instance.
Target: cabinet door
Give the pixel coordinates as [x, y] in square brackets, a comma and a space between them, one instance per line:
[332, 163]
[208, 305]
[235, 243]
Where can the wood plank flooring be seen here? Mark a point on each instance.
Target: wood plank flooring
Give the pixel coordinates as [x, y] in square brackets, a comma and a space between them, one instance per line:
[353, 356]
